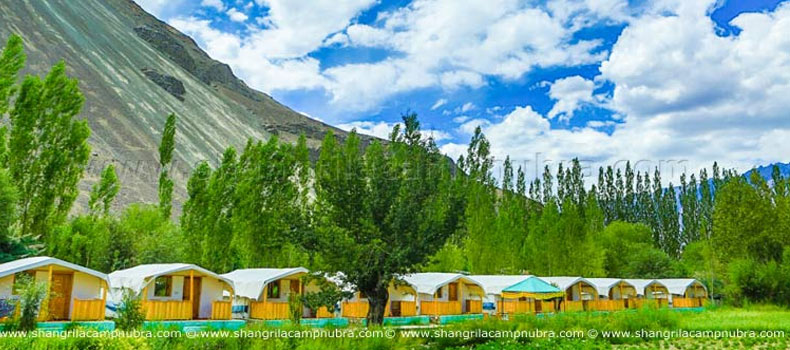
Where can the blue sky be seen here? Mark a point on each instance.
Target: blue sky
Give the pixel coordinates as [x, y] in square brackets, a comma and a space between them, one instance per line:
[676, 84]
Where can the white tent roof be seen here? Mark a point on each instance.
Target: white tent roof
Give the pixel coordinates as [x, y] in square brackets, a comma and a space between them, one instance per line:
[136, 278]
[564, 282]
[604, 285]
[25, 264]
[641, 284]
[429, 282]
[678, 285]
[249, 283]
[494, 284]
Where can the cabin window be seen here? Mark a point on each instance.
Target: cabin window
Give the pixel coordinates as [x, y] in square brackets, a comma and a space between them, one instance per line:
[19, 277]
[273, 292]
[163, 286]
[438, 293]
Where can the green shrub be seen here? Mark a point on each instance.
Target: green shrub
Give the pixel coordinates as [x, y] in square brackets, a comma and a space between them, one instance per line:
[31, 296]
[130, 312]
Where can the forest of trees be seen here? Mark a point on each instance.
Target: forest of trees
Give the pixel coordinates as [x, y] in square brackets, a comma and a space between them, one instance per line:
[375, 212]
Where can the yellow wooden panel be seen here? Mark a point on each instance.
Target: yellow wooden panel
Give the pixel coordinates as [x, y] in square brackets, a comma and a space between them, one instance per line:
[440, 308]
[474, 306]
[220, 310]
[167, 309]
[688, 302]
[606, 305]
[577, 305]
[510, 306]
[322, 312]
[355, 309]
[269, 310]
[408, 308]
[87, 310]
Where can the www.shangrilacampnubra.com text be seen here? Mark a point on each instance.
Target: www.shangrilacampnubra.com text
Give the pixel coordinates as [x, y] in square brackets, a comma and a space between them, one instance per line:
[390, 333]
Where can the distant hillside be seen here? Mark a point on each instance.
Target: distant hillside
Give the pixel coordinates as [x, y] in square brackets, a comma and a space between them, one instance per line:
[134, 70]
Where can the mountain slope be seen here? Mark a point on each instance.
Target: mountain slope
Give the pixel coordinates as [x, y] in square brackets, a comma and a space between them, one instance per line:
[134, 70]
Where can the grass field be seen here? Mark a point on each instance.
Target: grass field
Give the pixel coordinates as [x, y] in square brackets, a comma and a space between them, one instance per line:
[519, 333]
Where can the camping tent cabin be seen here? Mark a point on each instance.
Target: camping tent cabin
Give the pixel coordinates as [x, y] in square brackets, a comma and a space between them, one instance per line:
[446, 293]
[174, 291]
[649, 291]
[577, 291]
[536, 293]
[264, 292]
[686, 292]
[75, 293]
[613, 294]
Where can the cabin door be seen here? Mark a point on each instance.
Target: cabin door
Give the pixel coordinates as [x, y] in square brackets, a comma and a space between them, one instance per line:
[60, 296]
[452, 292]
[196, 300]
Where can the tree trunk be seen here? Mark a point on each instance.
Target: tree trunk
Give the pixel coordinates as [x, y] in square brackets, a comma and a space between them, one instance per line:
[378, 304]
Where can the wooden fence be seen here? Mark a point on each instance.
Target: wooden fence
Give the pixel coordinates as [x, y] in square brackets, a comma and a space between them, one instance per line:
[87, 310]
[167, 309]
[440, 308]
[220, 310]
[269, 310]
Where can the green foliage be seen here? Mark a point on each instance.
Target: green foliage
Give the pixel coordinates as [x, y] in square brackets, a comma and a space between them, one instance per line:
[129, 314]
[295, 307]
[12, 61]
[329, 294]
[630, 253]
[31, 296]
[152, 237]
[383, 213]
[104, 192]
[85, 240]
[166, 147]
[48, 149]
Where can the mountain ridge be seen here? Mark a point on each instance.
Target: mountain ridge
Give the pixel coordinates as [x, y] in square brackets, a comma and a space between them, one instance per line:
[134, 70]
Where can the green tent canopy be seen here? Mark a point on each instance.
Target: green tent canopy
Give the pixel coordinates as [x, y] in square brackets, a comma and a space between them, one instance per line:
[534, 288]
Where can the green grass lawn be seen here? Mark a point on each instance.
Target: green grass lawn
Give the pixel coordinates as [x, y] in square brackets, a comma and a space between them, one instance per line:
[754, 318]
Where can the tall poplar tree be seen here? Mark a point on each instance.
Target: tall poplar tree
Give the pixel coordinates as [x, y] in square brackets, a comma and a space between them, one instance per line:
[166, 147]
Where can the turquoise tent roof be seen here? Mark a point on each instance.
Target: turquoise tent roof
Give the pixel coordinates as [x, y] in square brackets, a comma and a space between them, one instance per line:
[532, 285]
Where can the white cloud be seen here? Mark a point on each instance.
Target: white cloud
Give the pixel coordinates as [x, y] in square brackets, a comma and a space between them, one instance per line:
[429, 45]
[383, 129]
[440, 102]
[265, 75]
[570, 93]
[688, 97]
[466, 107]
[236, 16]
[216, 4]
[455, 79]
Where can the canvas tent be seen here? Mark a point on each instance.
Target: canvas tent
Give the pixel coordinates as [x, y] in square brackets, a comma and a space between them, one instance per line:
[75, 292]
[613, 288]
[686, 287]
[264, 292]
[175, 291]
[649, 288]
[686, 292]
[576, 288]
[446, 293]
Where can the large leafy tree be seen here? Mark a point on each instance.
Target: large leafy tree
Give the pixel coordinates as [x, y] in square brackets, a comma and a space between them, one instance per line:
[381, 213]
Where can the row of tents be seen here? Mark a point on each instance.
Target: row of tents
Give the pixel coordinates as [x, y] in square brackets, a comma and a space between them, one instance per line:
[190, 292]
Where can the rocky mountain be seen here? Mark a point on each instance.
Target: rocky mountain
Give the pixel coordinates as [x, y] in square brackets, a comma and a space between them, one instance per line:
[134, 70]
